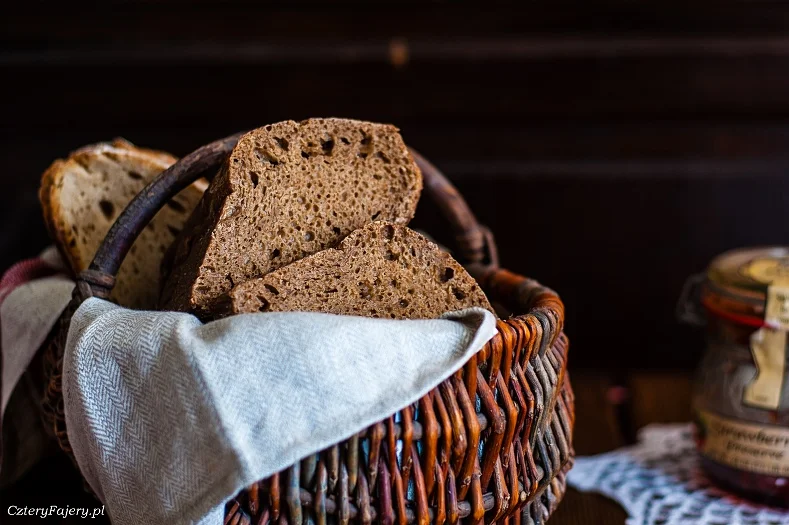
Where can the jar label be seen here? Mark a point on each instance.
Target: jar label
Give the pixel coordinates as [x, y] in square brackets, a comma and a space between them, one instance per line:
[761, 449]
[768, 346]
[776, 311]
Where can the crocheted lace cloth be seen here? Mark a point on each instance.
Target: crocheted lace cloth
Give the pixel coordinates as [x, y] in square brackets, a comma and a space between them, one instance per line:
[659, 482]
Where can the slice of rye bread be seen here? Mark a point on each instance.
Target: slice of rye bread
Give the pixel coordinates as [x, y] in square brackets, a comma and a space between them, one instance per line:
[288, 190]
[382, 270]
[82, 196]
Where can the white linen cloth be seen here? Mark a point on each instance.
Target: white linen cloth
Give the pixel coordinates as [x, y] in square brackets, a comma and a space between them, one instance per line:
[658, 482]
[169, 418]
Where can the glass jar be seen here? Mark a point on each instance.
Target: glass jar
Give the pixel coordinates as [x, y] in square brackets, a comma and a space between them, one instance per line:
[741, 396]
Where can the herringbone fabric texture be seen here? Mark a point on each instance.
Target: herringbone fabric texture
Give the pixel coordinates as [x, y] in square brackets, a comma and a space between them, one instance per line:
[170, 418]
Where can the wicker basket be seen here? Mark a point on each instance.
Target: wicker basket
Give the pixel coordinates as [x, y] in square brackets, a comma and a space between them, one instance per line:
[493, 442]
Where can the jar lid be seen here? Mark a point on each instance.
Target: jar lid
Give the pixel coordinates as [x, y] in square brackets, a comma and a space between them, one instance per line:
[737, 280]
[749, 270]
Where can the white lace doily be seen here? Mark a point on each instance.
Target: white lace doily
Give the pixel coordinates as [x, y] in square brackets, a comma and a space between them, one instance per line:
[658, 482]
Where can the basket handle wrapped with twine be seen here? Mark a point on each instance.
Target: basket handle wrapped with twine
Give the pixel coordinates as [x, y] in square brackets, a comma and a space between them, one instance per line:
[493, 442]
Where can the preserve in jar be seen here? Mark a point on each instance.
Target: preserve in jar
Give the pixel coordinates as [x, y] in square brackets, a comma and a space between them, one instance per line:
[741, 396]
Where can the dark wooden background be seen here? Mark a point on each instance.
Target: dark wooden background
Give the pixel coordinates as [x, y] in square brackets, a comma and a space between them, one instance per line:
[612, 148]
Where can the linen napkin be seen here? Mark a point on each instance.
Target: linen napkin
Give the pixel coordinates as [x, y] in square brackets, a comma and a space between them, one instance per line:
[33, 293]
[169, 418]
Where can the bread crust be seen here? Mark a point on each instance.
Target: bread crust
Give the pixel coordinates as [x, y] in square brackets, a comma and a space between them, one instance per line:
[51, 184]
[59, 195]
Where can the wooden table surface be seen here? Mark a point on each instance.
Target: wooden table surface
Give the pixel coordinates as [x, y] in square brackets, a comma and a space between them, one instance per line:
[607, 414]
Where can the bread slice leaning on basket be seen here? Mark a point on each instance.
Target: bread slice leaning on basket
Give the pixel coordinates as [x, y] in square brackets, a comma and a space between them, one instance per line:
[82, 195]
[382, 270]
[286, 191]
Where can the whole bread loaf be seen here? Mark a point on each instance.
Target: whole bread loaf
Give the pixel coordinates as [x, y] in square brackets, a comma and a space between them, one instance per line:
[382, 270]
[82, 196]
[288, 190]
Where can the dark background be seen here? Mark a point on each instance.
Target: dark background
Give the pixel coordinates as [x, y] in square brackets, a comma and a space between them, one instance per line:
[612, 148]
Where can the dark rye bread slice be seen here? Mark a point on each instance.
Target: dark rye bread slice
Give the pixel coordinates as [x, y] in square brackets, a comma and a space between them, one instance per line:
[382, 270]
[81, 197]
[289, 190]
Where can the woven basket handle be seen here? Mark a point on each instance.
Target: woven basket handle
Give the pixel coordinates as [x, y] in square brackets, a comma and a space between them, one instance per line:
[99, 279]
[475, 242]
